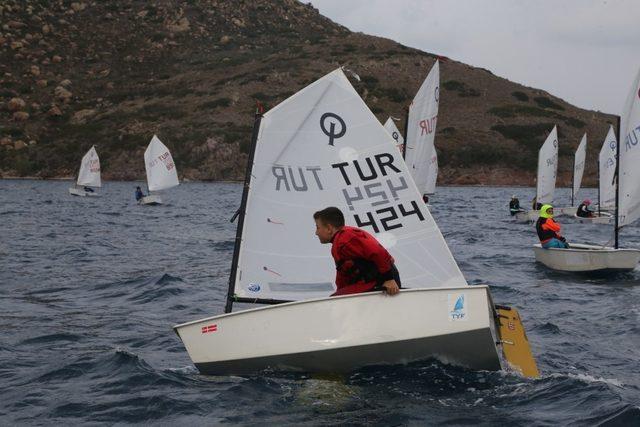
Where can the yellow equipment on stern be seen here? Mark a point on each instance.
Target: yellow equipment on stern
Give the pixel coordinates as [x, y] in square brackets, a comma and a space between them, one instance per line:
[515, 345]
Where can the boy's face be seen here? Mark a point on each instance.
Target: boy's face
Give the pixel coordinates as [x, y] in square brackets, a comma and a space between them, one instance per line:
[324, 231]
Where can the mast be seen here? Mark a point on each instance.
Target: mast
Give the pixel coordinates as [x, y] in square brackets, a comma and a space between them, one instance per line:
[406, 134]
[243, 205]
[573, 179]
[617, 177]
[599, 198]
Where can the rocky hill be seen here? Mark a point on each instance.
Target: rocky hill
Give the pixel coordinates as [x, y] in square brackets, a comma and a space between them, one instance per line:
[114, 72]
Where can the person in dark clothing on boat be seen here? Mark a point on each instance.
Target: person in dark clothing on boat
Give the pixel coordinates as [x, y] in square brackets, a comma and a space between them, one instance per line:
[362, 263]
[514, 205]
[139, 194]
[535, 205]
[88, 189]
[549, 230]
[584, 211]
[425, 199]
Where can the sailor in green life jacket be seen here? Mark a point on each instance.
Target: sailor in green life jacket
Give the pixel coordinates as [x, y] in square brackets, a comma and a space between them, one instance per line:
[549, 230]
[362, 263]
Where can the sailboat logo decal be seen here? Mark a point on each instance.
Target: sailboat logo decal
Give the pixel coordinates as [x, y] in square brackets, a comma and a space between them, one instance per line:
[331, 132]
[457, 307]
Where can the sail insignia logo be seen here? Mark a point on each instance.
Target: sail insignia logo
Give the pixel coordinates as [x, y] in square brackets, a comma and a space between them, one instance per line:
[254, 287]
[456, 307]
[333, 126]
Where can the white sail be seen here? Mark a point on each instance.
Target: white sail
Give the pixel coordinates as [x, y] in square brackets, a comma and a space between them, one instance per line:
[578, 165]
[421, 129]
[89, 174]
[391, 127]
[324, 147]
[430, 188]
[629, 172]
[547, 168]
[161, 170]
[607, 170]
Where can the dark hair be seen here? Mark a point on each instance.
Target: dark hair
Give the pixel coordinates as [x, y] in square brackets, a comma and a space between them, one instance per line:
[330, 215]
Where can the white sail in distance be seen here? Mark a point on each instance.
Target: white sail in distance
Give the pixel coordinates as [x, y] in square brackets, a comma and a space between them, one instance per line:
[161, 169]
[391, 127]
[629, 171]
[578, 165]
[89, 175]
[547, 168]
[421, 130]
[324, 147]
[607, 170]
[430, 188]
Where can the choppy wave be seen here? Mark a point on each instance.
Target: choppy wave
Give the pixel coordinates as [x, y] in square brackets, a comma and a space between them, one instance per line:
[89, 293]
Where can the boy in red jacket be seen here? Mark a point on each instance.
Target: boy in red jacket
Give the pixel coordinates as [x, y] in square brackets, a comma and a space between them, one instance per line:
[362, 264]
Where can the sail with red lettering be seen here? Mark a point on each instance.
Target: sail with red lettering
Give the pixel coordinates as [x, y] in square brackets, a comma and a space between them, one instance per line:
[89, 175]
[161, 169]
[324, 147]
[421, 131]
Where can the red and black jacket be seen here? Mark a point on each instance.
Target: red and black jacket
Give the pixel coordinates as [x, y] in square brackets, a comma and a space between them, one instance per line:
[362, 264]
[547, 229]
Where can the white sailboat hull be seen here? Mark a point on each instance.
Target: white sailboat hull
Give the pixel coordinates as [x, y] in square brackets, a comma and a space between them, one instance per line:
[151, 199]
[81, 193]
[587, 258]
[604, 218]
[342, 334]
[566, 211]
[528, 216]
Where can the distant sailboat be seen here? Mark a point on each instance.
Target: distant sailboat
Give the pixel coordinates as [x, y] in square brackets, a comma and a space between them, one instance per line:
[589, 258]
[546, 181]
[606, 172]
[324, 147]
[88, 176]
[161, 171]
[578, 172]
[391, 127]
[420, 153]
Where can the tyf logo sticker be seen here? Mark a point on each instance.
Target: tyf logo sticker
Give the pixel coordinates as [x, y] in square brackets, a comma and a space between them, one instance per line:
[333, 126]
[254, 287]
[457, 308]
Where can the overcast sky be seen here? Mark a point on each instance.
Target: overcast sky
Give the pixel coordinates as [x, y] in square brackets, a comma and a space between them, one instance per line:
[586, 52]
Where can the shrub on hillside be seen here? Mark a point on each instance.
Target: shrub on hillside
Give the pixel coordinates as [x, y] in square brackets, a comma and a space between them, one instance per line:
[545, 102]
[520, 96]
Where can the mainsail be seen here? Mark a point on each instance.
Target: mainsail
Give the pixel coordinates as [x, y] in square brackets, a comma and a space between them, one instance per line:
[161, 170]
[324, 147]
[421, 131]
[578, 167]
[607, 170]
[629, 172]
[89, 174]
[391, 127]
[547, 168]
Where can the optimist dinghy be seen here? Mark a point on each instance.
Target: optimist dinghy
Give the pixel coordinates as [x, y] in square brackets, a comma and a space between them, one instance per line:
[88, 176]
[324, 147]
[588, 258]
[161, 171]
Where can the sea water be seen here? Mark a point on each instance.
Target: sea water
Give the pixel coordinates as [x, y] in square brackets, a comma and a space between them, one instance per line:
[90, 288]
